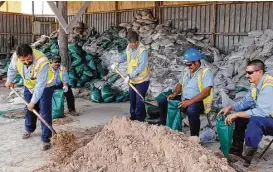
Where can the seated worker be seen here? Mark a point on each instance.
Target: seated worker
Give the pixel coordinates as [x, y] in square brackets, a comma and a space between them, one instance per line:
[253, 114]
[62, 82]
[196, 85]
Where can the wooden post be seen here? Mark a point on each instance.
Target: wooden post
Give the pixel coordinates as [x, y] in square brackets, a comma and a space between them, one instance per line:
[214, 18]
[63, 37]
[33, 20]
[117, 13]
[157, 10]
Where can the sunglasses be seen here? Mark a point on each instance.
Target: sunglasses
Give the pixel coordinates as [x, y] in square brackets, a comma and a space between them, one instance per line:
[251, 72]
[57, 62]
[188, 64]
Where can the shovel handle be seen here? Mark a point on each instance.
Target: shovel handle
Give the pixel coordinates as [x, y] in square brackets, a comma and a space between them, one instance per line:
[34, 111]
[131, 85]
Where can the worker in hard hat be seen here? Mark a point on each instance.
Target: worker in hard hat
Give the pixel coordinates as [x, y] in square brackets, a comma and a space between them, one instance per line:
[253, 115]
[138, 74]
[62, 82]
[196, 89]
[39, 81]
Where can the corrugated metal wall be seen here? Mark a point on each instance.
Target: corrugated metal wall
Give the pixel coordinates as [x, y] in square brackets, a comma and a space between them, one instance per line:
[240, 19]
[101, 21]
[14, 29]
[48, 24]
[128, 16]
[233, 21]
[189, 17]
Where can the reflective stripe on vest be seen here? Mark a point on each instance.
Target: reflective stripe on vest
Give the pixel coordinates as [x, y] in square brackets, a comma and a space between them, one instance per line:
[208, 100]
[132, 64]
[268, 81]
[41, 61]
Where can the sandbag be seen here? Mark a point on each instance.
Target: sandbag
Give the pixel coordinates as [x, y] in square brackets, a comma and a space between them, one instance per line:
[109, 99]
[112, 78]
[174, 116]
[225, 133]
[153, 112]
[163, 95]
[107, 91]
[123, 97]
[95, 94]
[58, 104]
[92, 65]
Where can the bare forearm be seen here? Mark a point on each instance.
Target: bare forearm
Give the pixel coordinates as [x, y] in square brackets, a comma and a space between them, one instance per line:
[177, 89]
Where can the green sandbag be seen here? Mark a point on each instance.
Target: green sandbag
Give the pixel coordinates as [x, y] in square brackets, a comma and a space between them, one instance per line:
[92, 65]
[109, 99]
[225, 133]
[88, 73]
[74, 48]
[79, 69]
[153, 112]
[102, 73]
[123, 97]
[17, 78]
[89, 57]
[163, 95]
[76, 62]
[73, 82]
[76, 56]
[107, 91]
[95, 94]
[72, 74]
[239, 89]
[174, 116]
[20, 83]
[58, 104]
[112, 78]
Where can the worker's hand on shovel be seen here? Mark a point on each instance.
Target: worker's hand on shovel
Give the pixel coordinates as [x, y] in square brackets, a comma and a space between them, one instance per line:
[9, 85]
[114, 66]
[30, 106]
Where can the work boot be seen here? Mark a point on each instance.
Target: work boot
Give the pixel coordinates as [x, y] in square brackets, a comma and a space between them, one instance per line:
[237, 148]
[46, 146]
[26, 135]
[248, 154]
[74, 113]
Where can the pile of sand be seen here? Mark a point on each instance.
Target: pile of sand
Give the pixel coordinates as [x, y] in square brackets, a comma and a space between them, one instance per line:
[128, 146]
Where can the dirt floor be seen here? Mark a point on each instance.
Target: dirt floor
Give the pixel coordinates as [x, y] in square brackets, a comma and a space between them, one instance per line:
[26, 155]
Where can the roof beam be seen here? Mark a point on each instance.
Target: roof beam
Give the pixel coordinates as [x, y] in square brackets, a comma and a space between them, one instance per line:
[1, 3]
[68, 27]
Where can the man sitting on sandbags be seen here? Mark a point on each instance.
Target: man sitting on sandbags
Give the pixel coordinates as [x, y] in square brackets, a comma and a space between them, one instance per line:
[253, 114]
[196, 86]
[62, 82]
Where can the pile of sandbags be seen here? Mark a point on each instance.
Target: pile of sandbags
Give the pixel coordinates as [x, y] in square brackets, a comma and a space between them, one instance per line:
[165, 45]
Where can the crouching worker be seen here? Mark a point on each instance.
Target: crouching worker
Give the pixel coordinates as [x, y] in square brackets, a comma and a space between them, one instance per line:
[253, 115]
[62, 82]
[196, 89]
[33, 66]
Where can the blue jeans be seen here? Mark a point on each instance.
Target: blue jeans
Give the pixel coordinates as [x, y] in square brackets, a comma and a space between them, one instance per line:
[137, 107]
[252, 130]
[44, 107]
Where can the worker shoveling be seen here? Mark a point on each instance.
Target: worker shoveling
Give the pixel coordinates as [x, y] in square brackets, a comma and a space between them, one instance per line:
[125, 145]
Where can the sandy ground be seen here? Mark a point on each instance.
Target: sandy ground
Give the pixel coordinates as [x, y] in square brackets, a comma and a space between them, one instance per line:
[18, 155]
[26, 155]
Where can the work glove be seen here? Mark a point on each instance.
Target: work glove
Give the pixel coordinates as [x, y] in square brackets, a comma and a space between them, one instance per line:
[65, 88]
[126, 81]
[114, 65]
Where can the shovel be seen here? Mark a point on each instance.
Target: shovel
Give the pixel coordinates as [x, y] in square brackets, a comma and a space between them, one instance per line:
[35, 112]
[134, 88]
